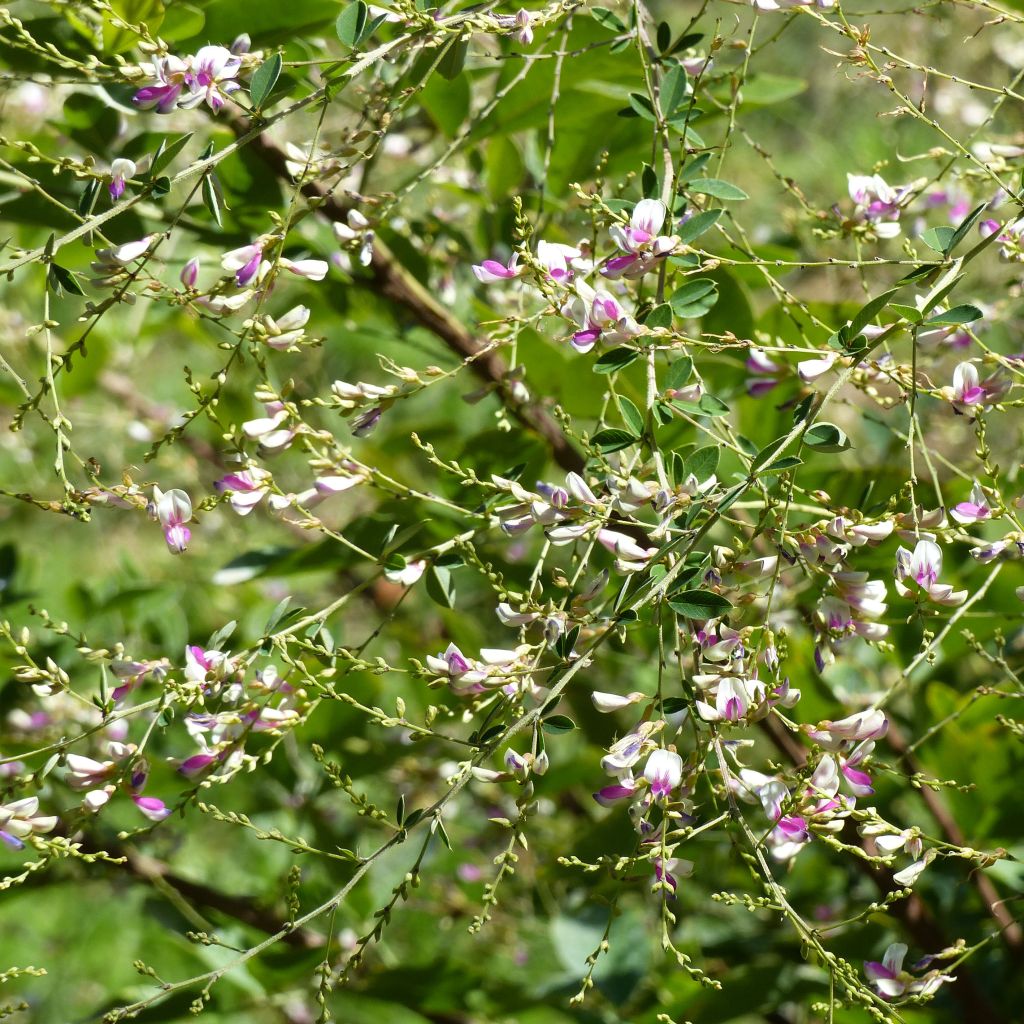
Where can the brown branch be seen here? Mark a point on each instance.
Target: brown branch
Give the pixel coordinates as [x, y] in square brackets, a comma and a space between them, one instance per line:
[391, 280]
[913, 913]
[1010, 928]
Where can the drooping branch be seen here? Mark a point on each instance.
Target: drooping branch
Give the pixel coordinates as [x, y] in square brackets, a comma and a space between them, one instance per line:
[391, 280]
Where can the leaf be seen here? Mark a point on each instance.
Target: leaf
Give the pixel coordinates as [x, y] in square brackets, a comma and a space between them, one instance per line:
[965, 225]
[694, 298]
[698, 224]
[826, 437]
[717, 188]
[781, 465]
[166, 152]
[351, 23]
[276, 615]
[631, 416]
[711, 406]
[678, 373]
[60, 280]
[440, 587]
[263, 80]
[674, 88]
[763, 89]
[956, 315]
[616, 359]
[641, 106]
[612, 440]
[938, 238]
[660, 316]
[765, 454]
[211, 197]
[702, 463]
[699, 604]
[607, 19]
[869, 311]
[558, 723]
[453, 59]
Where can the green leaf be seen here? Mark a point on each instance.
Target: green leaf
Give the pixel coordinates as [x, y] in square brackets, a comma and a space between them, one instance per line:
[699, 604]
[660, 316]
[612, 440]
[965, 225]
[453, 59]
[607, 19]
[640, 104]
[694, 298]
[678, 373]
[616, 359]
[717, 188]
[911, 313]
[826, 437]
[558, 723]
[212, 198]
[766, 453]
[440, 587]
[869, 311]
[631, 416]
[60, 280]
[264, 79]
[674, 88]
[351, 23]
[763, 89]
[702, 463]
[938, 238]
[956, 315]
[781, 465]
[711, 406]
[166, 152]
[698, 224]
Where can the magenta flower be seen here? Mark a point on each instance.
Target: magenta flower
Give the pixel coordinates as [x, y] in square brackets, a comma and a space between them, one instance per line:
[891, 981]
[491, 271]
[151, 807]
[640, 241]
[244, 262]
[212, 77]
[974, 510]
[172, 77]
[120, 169]
[664, 771]
[20, 818]
[245, 489]
[190, 273]
[173, 509]
[919, 571]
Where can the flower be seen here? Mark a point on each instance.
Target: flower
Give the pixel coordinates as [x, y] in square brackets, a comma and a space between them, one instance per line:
[975, 509]
[245, 262]
[119, 170]
[171, 76]
[599, 316]
[173, 509]
[877, 203]
[891, 981]
[20, 818]
[151, 807]
[921, 569]
[190, 273]
[640, 241]
[245, 489]
[212, 77]
[490, 271]
[664, 771]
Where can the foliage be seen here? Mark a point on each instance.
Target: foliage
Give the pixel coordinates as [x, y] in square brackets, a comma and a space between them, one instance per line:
[637, 638]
